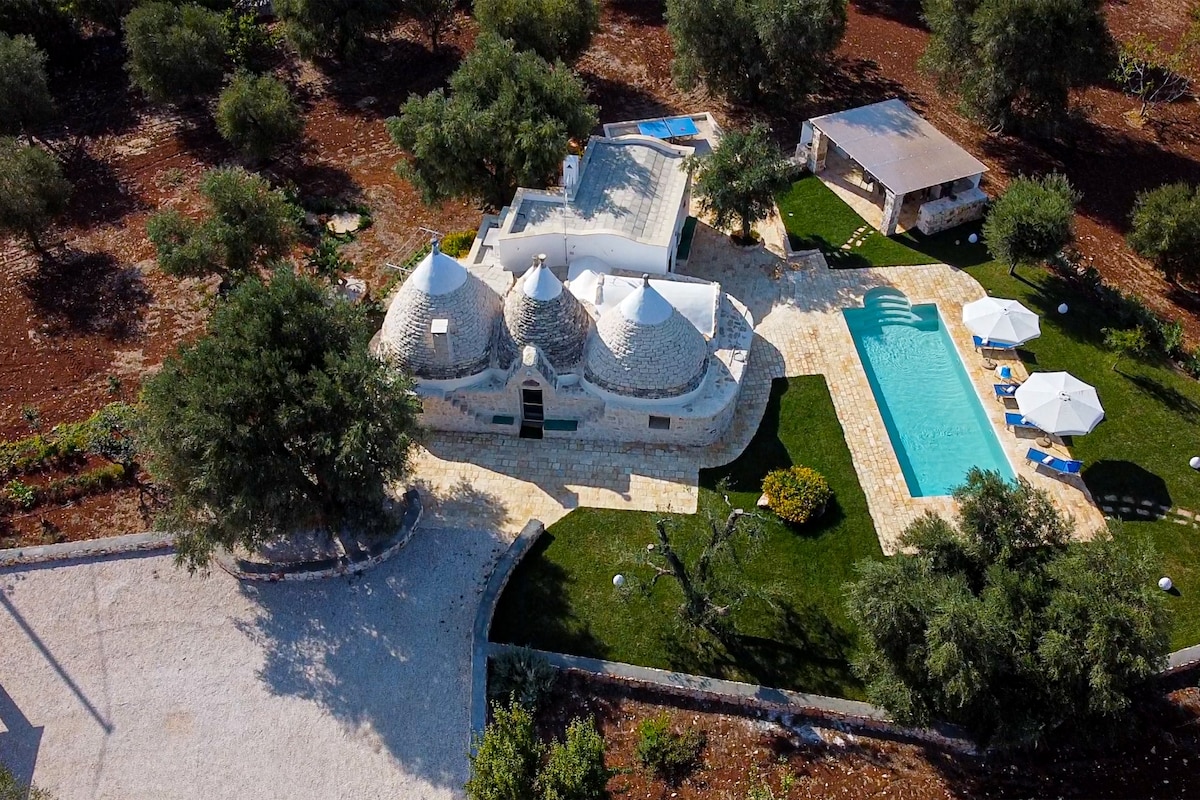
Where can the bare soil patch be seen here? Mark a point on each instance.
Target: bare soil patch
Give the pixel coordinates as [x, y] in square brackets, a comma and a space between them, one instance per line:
[825, 760]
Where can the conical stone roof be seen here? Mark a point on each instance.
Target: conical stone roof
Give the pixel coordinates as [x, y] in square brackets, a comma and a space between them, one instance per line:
[645, 348]
[440, 288]
[538, 312]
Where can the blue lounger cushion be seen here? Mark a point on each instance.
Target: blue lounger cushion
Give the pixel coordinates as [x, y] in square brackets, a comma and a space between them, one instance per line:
[1064, 466]
[1016, 420]
[991, 344]
[1004, 389]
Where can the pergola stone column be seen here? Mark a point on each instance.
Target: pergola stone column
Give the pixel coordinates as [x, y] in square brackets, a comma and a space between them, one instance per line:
[892, 204]
[817, 151]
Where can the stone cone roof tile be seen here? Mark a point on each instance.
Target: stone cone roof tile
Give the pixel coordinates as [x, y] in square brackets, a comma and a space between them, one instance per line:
[538, 312]
[441, 289]
[645, 348]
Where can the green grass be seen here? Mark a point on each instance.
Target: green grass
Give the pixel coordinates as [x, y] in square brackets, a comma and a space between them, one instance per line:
[816, 218]
[561, 597]
[1151, 426]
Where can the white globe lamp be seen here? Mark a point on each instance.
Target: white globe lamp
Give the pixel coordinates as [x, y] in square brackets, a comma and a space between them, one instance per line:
[1062, 308]
[618, 580]
[973, 238]
[1165, 583]
[1194, 462]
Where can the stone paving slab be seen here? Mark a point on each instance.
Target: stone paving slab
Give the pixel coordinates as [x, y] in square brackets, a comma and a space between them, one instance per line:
[127, 678]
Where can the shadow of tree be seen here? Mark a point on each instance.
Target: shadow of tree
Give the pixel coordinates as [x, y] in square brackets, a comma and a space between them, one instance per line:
[89, 293]
[388, 652]
[534, 610]
[1124, 478]
[98, 194]
[1170, 397]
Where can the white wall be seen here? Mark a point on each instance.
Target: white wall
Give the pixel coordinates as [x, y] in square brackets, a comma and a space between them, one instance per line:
[517, 252]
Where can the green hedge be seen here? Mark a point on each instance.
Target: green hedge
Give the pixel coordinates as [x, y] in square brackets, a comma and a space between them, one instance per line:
[797, 494]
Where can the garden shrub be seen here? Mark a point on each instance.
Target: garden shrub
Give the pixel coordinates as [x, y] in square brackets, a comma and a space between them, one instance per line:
[457, 244]
[107, 433]
[575, 769]
[20, 494]
[522, 676]
[797, 494]
[663, 751]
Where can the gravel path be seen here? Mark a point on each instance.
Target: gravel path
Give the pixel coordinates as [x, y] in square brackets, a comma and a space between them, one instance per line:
[127, 678]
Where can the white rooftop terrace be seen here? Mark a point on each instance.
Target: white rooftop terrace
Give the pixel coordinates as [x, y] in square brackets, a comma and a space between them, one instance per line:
[632, 186]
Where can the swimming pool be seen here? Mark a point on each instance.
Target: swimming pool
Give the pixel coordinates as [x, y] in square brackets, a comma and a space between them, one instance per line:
[933, 416]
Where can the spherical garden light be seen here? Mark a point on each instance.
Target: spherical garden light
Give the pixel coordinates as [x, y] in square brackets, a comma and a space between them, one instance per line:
[618, 580]
[1165, 583]
[1062, 308]
[973, 238]
[1194, 462]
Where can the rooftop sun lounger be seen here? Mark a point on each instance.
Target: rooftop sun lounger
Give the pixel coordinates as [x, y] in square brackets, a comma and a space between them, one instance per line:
[1063, 466]
[990, 344]
[1014, 419]
[1004, 390]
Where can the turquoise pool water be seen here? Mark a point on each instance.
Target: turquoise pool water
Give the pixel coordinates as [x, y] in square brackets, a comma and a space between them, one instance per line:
[934, 419]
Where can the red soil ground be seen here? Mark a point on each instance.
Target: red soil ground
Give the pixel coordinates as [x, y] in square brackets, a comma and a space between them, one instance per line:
[825, 762]
[82, 328]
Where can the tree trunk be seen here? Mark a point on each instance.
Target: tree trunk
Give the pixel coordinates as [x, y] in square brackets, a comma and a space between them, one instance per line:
[1012, 268]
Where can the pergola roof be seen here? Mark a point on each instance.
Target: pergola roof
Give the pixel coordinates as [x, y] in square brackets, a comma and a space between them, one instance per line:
[898, 147]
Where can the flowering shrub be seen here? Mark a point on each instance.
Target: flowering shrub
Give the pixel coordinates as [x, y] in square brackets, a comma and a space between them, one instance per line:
[457, 243]
[797, 494]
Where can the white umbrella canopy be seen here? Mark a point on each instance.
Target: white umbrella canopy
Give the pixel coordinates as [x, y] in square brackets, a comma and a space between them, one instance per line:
[1059, 403]
[1002, 321]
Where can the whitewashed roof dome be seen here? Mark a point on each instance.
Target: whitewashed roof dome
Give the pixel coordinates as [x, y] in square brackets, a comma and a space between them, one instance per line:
[538, 312]
[645, 348]
[440, 324]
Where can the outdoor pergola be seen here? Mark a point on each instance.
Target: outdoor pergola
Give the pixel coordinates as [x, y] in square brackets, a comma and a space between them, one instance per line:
[898, 155]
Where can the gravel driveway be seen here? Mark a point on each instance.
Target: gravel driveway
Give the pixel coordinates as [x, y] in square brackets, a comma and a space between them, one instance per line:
[127, 678]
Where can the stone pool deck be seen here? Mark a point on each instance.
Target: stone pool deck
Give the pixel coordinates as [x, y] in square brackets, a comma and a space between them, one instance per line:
[501, 482]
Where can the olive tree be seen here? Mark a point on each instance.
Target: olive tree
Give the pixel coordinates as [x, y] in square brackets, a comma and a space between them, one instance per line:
[247, 225]
[507, 121]
[434, 17]
[1165, 227]
[747, 49]
[257, 115]
[554, 29]
[25, 102]
[278, 421]
[1032, 221]
[1006, 625]
[1015, 60]
[738, 181]
[32, 190]
[335, 28]
[176, 52]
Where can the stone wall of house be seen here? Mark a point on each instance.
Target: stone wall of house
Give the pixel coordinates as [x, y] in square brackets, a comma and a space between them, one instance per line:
[944, 213]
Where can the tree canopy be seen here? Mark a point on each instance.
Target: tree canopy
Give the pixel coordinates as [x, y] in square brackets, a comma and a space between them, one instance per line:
[1003, 624]
[750, 48]
[247, 225]
[507, 121]
[434, 17]
[277, 421]
[1015, 60]
[25, 102]
[176, 52]
[32, 190]
[334, 27]
[1032, 221]
[554, 29]
[738, 181]
[1166, 228]
[257, 115]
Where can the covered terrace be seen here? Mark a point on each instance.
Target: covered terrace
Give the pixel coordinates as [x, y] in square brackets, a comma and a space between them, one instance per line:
[894, 168]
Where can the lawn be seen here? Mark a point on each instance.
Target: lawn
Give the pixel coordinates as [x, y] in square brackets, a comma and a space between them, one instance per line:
[816, 218]
[561, 597]
[1151, 426]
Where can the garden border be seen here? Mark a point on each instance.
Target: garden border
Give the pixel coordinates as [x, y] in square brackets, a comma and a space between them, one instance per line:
[128, 544]
[327, 567]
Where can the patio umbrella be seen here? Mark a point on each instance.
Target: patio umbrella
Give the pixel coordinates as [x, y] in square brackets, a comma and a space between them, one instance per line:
[1059, 403]
[997, 320]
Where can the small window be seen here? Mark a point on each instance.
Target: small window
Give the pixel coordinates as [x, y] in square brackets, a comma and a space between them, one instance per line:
[502, 419]
[561, 424]
[660, 423]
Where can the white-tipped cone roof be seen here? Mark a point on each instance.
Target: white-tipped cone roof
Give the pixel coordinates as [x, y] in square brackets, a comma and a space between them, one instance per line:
[645, 306]
[541, 284]
[437, 274]
[645, 348]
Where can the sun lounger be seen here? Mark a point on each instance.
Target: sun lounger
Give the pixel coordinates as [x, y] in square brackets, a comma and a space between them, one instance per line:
[1014, 419]
[1004, 390]
[989, 344]
[1063, 466]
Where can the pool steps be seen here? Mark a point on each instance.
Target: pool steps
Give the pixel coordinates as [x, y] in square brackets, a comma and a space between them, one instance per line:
[889, 306]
